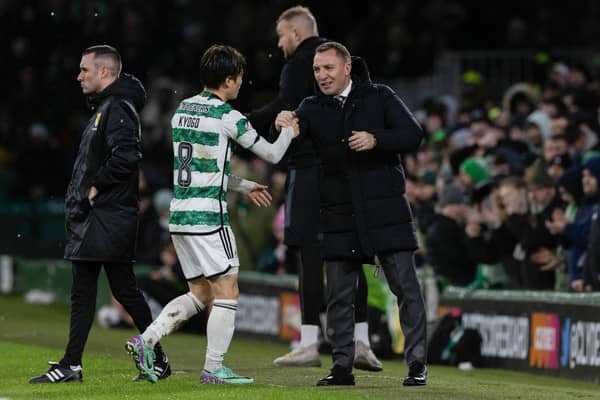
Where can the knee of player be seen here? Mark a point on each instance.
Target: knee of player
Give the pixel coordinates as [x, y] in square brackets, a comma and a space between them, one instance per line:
[202, 293]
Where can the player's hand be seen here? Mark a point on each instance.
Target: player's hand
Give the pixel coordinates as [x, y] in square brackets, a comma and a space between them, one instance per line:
[362, 141]
[260, 196]
[284, 119]
[92, 194]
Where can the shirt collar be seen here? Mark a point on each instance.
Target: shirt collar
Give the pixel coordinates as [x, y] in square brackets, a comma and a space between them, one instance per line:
[346, 91]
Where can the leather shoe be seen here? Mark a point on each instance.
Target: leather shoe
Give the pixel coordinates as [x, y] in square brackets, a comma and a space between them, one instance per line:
[417, 375]
[339, 376]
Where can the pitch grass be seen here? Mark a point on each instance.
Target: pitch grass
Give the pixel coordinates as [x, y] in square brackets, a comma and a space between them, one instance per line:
[31, 335]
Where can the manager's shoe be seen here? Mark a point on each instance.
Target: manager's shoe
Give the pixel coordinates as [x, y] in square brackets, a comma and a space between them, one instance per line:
[417, 375]
[365, 359]
[300, 357]
[59, 374]
[339, 376]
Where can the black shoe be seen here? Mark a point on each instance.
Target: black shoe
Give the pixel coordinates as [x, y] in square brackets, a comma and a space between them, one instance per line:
[339, 376]
[417, 375]
[58, 374]
[162, 368]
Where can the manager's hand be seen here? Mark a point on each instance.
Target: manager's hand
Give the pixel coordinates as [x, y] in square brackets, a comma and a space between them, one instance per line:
[283, 119]
[362, 141]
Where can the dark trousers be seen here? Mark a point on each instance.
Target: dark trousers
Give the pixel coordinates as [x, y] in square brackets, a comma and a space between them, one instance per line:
[399, 269]
[307, 261]
[83, 302]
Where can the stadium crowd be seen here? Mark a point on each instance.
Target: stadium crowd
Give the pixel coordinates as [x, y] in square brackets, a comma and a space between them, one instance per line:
[505, 189]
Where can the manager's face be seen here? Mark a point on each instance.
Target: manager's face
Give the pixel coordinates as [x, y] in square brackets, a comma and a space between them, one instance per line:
[332, 72]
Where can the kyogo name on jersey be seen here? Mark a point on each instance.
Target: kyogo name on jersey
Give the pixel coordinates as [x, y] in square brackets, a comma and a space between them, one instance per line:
[188, 122]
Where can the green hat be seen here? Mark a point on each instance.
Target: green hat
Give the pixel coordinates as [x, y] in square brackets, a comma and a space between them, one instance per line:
[476, 169]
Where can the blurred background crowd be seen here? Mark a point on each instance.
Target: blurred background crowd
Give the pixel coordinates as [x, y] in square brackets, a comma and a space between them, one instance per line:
[504, 189]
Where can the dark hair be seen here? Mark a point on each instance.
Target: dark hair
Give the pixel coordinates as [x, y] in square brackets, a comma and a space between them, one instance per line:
[107, 53]
[339, 48]
[218, 63]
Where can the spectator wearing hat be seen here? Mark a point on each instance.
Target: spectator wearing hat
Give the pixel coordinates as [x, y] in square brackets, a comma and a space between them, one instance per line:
[538, 128]
[571, 191]
[446, 241]
[473, 172]
[578, 231]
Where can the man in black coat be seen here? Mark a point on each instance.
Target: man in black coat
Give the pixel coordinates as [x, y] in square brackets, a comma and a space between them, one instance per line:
[446, 241]
[101, 206]
[298, 37]
[358, 129]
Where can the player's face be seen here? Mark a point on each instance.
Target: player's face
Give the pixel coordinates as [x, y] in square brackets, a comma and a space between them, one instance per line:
[234, 85]
[332, 72]
[286, 38]
[89, 75]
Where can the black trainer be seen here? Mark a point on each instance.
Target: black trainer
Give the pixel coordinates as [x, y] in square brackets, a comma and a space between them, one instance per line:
[59, 374]
[339, 376]
[417, 375]
[162, 368]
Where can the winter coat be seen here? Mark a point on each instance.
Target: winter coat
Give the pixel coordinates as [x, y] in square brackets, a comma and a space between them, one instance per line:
[591, 270]
[363, 206]
[448, 252]
[108, 158]
[531, 232]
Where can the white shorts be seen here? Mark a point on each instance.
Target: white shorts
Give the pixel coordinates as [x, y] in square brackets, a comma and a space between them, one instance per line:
[207, 256]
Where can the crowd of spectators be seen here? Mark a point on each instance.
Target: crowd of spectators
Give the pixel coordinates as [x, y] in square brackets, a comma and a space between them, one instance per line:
[514, 184]
[503, 182]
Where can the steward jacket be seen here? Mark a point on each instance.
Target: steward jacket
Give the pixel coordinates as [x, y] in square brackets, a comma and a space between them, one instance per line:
[108, 158]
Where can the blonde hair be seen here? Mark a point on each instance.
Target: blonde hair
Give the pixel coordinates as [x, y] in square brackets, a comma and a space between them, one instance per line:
[302, 15]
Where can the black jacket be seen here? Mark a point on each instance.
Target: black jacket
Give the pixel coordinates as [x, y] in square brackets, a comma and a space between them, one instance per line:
[448, 252]
[363, 207]
[301, 199]
[591, 269]
[296, 82]
[108, 158]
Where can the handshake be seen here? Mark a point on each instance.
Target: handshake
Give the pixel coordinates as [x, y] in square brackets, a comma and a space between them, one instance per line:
[287, 119]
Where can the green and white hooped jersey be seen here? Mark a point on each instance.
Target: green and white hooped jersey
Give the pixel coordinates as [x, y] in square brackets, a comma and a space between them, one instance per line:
[202, 128]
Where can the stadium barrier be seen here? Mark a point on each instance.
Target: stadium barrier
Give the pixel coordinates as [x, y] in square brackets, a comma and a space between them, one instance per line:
[547, 333]
[269, 305]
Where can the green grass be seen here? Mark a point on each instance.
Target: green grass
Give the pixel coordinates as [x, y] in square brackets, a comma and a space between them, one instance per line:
[31, 335]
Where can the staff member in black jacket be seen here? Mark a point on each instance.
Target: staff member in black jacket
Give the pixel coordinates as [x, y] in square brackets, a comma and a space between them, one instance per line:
[358, 129]
[298, 38]
[101, 206]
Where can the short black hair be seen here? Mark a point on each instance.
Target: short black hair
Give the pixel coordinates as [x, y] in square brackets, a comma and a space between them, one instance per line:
[108, 53]
[218, 63]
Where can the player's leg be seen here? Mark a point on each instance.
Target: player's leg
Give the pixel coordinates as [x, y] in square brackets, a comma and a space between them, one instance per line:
[172, 316]
[308, 263]
[219, 331]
